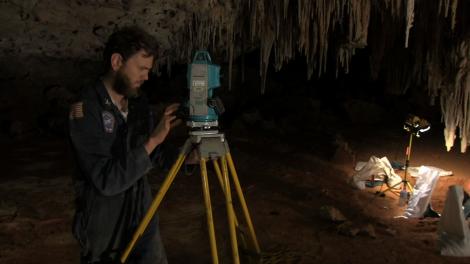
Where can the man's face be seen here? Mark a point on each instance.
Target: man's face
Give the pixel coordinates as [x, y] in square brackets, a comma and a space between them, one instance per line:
[133, 72]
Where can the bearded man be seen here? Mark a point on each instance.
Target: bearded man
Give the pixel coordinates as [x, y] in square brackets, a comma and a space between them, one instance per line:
[114, 142]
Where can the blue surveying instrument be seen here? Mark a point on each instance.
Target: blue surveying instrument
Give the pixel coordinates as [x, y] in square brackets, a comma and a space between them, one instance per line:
[203, 78]
[210, 146]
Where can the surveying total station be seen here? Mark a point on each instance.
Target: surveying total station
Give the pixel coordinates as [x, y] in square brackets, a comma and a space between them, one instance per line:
[203, 79]
[210, 144]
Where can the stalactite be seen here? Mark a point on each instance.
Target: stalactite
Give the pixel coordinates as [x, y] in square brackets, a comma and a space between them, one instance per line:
[454, 12]
[455, 99]
[257, 18]
[462, 81]
[434, 81]
[358, 27]
[377, 43]
[230, 40]
[168, 65]
[410, 13]
[450, 117]
[242, 66]
[449, 5]
[284, 46]
[319, 30]
[316, 21]
[286, 8]
[267, 42]
[394, 6]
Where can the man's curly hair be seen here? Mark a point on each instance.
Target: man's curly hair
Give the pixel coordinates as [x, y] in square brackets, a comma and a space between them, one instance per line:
[127, 41]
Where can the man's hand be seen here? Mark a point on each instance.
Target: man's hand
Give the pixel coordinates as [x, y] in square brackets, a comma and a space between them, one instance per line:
[162, 129]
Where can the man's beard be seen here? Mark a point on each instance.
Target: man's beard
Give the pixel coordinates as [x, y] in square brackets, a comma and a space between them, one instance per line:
[122, 86]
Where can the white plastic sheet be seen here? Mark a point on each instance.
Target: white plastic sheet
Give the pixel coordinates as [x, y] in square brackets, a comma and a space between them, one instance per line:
[453, 232]
[422, 191]
[415, 171]
[380, 169]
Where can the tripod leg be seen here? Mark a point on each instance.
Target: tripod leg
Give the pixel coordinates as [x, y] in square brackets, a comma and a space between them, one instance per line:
[230, 213]
[154, 206]
[241, 239]
[218, 172]
[236, 182]
[222, 185]
[409, 186]
[210, 221]
[391, 188]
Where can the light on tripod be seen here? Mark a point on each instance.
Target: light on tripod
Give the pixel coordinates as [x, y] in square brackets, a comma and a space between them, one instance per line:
[416, 125]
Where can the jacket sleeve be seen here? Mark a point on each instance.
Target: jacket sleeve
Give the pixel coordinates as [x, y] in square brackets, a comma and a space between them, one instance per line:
[164, 156]
[109, 174]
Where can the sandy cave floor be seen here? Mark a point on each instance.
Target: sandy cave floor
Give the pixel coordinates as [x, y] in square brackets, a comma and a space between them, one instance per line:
[285, 186]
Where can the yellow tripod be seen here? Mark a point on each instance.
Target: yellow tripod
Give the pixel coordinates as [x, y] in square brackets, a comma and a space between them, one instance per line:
[404, 181]
[211, 145]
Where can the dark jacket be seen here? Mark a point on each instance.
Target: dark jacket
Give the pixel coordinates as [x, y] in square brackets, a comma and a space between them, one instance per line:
[112, 189]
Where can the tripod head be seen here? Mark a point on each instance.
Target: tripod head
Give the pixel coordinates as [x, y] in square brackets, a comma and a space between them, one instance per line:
[416, 125]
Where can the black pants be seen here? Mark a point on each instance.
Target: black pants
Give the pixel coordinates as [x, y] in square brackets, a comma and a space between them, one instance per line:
[149, 249]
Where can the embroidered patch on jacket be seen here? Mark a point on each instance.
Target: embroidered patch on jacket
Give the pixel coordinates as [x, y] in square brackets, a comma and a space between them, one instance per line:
[76, 111]
[107, 102]
[108, 121]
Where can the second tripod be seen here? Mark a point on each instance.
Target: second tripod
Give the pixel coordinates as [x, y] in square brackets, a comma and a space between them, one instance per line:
[414, 125]
[404, 194]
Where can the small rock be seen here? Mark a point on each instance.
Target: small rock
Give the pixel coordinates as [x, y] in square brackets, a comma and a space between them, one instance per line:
[348, 229]
[391, 232]
[8, 208]
[325, 192]
[382, 224]
[19, 232]
[332, 214]
[368, 230]
[62, 238]
[343, 153]
[50, 226]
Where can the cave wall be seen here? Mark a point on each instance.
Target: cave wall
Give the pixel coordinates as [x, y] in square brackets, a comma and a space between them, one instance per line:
[78, 28]
[49, 49]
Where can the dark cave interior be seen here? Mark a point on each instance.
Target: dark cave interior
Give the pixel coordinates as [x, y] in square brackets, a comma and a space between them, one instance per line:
[295, 144]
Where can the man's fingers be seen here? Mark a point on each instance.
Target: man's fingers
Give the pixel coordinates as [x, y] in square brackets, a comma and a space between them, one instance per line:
[174, 105]
[176, 123]
[171, 118]
[171, 108]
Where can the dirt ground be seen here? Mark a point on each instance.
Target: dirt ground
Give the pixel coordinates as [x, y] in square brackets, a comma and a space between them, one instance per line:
[285, 181]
